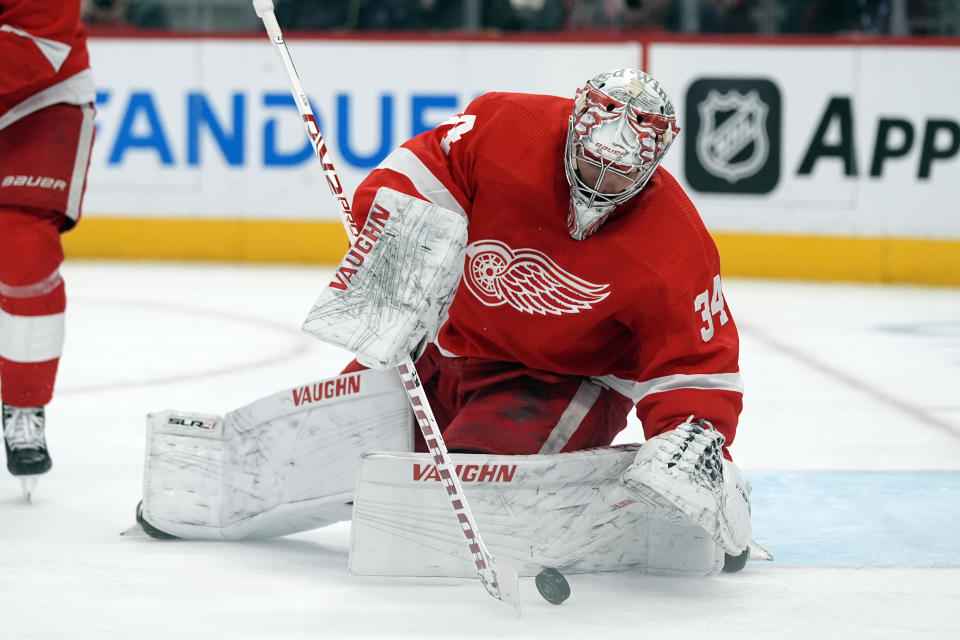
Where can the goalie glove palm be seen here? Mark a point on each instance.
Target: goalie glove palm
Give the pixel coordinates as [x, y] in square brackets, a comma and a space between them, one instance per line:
[681, 474]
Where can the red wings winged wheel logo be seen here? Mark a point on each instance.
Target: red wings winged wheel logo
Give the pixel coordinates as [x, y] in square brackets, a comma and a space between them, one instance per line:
[526, 279]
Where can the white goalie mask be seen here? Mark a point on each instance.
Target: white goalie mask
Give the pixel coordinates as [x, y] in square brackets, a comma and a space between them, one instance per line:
[622, 124]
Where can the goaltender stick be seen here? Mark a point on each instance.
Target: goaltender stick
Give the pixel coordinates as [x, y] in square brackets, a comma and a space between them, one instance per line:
[548, 277]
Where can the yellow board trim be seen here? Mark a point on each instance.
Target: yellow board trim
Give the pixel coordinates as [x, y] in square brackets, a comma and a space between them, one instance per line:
[203, 239]
[887, 260]
[891, 260]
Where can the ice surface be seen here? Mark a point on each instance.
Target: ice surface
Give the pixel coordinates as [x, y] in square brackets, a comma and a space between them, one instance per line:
[850, 436]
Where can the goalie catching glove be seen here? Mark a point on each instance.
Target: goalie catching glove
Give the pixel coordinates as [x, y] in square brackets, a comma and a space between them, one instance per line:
[682, 475]
[390, 294]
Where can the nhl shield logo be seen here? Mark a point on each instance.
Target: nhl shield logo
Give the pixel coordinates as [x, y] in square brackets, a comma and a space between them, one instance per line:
[734, 135]
[732, 141]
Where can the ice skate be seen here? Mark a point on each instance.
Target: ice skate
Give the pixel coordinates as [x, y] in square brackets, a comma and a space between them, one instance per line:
[147, 528]
[26, 445]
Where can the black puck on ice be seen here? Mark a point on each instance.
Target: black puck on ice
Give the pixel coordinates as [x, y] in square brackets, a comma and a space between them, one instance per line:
[552, 586]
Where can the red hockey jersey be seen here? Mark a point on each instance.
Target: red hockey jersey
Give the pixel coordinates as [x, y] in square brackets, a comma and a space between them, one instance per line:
[638, 306]
[43, 57]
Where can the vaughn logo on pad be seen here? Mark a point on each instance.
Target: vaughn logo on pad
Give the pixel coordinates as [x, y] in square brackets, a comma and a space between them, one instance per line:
[376, 222]
[468, 472]
[342, 386]
[733, 135]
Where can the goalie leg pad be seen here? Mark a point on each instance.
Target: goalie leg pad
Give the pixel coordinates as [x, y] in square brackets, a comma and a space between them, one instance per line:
[567, 511]
[284, 463]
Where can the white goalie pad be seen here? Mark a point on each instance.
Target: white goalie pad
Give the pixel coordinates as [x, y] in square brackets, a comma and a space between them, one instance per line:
[392, 290]
[567, 511]
[284, 463]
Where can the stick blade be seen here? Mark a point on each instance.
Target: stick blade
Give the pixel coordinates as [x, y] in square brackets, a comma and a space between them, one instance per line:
[502, 582]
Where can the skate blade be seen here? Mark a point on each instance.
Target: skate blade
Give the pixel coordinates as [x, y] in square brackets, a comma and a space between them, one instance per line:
[28, 484]
[136, 531]
[759, 553]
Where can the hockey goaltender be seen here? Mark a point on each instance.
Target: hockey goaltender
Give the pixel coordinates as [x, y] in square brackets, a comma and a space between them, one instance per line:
[547, 277]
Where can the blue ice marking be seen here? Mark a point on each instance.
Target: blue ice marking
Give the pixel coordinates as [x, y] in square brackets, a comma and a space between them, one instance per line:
[821, 519]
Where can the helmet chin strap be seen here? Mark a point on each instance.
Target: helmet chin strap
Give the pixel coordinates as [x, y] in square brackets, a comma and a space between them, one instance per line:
[587, 215]
[583, 220]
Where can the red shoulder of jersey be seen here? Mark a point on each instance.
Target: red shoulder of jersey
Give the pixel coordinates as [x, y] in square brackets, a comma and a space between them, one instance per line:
[41, 44]
[507, 133]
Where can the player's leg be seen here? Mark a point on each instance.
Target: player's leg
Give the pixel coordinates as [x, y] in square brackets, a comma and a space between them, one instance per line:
[512, 411]
[32, 306]
[567, 511]
[491, 407]
[284, 463]
[679, 476]
[44, 165]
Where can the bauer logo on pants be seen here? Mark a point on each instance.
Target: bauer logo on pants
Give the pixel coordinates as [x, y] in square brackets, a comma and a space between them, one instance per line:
[39, 182]
[733, 135]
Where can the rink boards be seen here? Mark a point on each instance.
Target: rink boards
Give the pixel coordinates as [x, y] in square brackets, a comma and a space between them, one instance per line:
[805, 159]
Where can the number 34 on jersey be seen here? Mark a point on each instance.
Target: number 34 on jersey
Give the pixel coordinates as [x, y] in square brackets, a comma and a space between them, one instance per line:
[710, 305]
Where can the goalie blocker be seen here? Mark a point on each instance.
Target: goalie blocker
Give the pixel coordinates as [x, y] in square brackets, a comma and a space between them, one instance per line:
[390, 294]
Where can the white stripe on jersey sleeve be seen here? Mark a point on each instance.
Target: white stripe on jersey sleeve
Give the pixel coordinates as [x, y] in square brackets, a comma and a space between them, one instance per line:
[405, 162]
[636, 391]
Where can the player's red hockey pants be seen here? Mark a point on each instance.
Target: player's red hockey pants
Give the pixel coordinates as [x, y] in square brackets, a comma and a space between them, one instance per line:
[499, 407]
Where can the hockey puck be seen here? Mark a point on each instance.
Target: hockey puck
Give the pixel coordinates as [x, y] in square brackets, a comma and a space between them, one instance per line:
[552, 586]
